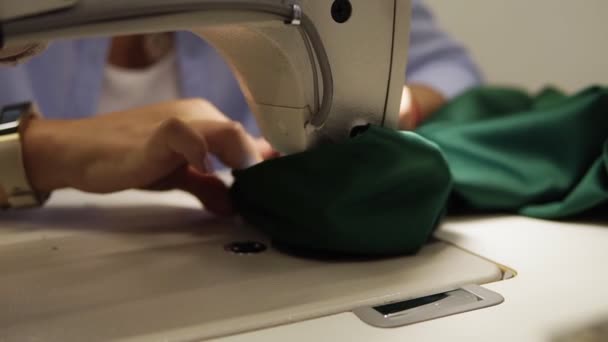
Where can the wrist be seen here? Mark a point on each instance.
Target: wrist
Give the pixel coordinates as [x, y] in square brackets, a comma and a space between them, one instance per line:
[41, 155]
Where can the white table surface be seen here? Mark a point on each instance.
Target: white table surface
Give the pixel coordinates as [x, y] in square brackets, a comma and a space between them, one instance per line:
[561, 281]
[561, 285]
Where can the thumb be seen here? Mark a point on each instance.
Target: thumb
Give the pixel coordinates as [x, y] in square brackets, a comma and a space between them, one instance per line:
[213, 193]
[265, 149]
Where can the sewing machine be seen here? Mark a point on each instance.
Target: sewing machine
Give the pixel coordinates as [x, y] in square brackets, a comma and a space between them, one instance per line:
[304, 66]
[137, 266]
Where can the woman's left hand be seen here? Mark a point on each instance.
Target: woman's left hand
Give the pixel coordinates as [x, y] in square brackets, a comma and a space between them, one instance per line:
[418, 102]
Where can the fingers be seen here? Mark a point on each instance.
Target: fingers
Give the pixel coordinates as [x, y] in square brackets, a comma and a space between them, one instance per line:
[230, 142]
[265, 149]
[196, 109]
[193, 140]
[185, 109]
[211, 191]
[180, 138]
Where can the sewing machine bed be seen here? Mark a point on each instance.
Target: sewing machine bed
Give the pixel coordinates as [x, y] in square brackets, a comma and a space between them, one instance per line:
[142, 266]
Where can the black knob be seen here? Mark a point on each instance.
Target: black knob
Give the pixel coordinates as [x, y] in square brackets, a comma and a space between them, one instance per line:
[245, 247]
[341, 11]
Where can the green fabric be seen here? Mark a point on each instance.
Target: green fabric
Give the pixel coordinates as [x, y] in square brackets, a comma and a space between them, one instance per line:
[382, 192]
[379, 193]
[543, 156]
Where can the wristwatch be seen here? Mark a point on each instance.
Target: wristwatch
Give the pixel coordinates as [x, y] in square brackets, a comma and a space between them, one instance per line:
[15, 188]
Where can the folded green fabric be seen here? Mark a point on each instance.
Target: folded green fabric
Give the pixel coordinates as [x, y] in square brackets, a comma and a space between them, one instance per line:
[379, 193]
[544, 156]
[382, 192]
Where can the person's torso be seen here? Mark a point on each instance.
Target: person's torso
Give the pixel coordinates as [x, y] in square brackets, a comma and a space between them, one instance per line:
[67, 80]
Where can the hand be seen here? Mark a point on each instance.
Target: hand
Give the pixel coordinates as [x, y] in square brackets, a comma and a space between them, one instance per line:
[159, 147]
[418, 102]
[266, 150]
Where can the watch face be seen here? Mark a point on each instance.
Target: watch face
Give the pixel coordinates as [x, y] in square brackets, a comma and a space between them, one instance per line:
[9, 117]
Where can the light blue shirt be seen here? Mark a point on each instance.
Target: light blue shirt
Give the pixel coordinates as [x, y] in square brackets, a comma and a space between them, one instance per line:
[66, 80]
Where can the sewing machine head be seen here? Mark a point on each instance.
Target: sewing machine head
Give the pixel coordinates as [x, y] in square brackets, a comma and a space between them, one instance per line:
[310, 69]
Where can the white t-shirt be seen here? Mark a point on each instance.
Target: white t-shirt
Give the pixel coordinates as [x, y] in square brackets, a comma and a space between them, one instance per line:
[124, 89]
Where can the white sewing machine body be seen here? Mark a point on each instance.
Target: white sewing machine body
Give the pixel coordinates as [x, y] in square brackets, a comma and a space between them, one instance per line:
[306, 68]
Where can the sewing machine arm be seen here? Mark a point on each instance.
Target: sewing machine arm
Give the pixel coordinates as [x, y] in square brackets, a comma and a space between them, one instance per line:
[310, 69]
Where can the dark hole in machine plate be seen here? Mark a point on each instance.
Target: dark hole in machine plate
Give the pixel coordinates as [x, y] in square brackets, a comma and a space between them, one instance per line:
[245, 247]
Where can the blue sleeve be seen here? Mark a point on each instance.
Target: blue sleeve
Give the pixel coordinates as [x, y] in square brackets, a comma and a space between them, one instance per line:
[15, 86]
[435, 59]
[65, 80]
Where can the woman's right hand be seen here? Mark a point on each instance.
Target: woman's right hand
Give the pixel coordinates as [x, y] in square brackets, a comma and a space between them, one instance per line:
[160, 147]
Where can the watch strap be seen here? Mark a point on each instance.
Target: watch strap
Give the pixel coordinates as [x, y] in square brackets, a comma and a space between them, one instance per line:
[14, 182]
